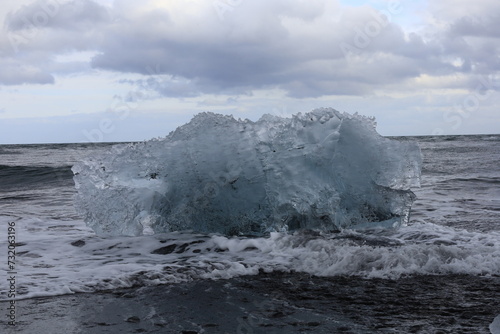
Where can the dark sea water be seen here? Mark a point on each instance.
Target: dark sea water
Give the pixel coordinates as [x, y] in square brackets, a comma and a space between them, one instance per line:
[440, 274]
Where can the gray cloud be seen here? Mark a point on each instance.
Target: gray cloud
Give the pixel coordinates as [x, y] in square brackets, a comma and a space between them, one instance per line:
[55, 28]
[74, 15]
[279, 48]
[477, 41]
[308, 49]
[477, 26]
[35, 33]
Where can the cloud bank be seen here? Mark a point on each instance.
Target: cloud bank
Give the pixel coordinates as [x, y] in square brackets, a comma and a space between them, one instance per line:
[305, 49]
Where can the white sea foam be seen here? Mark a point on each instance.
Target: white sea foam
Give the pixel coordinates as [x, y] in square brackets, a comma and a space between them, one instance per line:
[47, 262]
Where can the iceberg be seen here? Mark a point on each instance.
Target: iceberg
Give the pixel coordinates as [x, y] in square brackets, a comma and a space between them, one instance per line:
[322, 170]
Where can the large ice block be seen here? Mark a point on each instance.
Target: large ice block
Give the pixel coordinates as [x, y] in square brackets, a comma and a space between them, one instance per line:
[323, 170]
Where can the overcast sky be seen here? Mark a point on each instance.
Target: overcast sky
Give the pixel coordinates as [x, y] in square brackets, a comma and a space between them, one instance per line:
[122, 70]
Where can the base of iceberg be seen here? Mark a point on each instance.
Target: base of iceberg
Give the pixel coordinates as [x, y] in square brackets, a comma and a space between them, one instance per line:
[495, 325]
[322, 170]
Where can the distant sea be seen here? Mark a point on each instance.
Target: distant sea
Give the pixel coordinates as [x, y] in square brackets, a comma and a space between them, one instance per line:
[439, 274]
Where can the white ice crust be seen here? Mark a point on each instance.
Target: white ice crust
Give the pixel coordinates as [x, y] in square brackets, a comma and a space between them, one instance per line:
[322, 170]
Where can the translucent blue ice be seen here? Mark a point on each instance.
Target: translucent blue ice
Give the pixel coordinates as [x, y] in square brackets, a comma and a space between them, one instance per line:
[323, 170]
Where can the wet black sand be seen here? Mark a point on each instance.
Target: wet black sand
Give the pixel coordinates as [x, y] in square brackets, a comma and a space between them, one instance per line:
[273, 303]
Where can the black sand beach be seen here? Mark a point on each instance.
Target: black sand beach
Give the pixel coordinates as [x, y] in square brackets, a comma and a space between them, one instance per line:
[273, 303]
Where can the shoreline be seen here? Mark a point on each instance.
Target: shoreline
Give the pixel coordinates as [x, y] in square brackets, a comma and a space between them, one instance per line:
[273, 303]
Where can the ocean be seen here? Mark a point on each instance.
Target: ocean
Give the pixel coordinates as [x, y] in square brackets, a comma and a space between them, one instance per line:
[439, 274]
